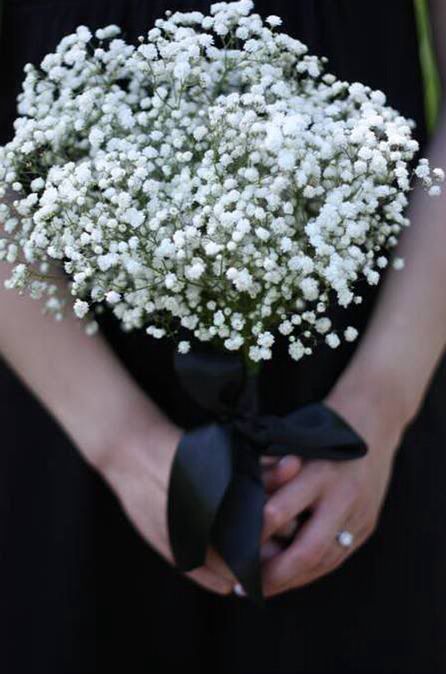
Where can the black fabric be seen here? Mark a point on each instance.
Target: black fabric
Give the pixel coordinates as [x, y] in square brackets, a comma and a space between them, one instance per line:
[215, 493]
[80, 593]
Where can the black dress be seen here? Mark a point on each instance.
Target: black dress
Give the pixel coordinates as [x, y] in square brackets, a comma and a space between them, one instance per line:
[80, 592]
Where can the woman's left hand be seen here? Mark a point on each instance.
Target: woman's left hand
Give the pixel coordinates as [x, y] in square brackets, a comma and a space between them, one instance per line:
[338, 496]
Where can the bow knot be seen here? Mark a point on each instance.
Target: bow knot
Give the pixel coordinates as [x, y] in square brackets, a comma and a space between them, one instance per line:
[216, 493]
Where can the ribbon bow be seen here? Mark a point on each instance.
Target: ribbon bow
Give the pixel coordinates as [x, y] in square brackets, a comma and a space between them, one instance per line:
[216, 493]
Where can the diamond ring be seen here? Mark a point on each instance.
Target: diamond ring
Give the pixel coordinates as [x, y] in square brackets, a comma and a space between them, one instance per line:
[345, 538]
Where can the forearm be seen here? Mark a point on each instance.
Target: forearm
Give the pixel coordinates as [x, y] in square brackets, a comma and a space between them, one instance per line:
[406, 334]
[76, 376]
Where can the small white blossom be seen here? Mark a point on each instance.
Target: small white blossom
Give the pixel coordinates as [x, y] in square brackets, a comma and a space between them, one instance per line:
[350, 334]
[332, 340]
[113, 297]
[398, 263]
[80, 308]
[184, 346]
[296, 350]
[91, 328]
[240, 206]
[265, 339]
[274, 20]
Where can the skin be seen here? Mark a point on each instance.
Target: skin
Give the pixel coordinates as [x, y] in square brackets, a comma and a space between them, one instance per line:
[379, 393]
[131, 443]
[119, 431]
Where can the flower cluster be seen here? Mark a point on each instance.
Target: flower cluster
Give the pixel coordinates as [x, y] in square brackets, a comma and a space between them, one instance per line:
[213, 178]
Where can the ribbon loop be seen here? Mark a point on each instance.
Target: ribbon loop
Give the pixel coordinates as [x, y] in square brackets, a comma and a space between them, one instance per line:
[216, 493]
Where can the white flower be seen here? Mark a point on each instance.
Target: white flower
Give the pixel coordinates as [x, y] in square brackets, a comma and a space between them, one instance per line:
[274, 20]
[91, 328]
[195, 270]
[37, 184]
[157, 333]
[211, 248]
[286, 160]
[350, 334]
[434, 191]
[80, 308]
[113, 297]
[96, 137]
[398, 263]
[296, 350]
[237, 192]
[200, 132]
[133, 217]
[234, 342]
[323, 325]
[332, 340]
[422, 170]
[184, 346]
[310, 288]
[265, 339]
[286, 328]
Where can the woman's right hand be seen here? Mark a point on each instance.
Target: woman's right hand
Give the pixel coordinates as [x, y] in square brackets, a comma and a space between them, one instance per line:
[138, 473]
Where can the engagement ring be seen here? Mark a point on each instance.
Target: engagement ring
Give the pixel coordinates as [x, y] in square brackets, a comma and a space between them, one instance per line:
[345, 538]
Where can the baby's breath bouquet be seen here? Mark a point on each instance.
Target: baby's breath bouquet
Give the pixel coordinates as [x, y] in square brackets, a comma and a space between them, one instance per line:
[214, 177]
[213, 181]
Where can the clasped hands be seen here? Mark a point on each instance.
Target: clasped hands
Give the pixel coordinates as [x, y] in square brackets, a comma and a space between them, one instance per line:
[333, 496]
[310, 502]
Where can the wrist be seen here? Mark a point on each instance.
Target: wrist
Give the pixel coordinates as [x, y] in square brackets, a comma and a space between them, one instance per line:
[374, 404]
[145, 442]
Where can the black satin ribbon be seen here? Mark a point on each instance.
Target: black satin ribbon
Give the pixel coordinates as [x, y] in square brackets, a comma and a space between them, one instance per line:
[216, 494]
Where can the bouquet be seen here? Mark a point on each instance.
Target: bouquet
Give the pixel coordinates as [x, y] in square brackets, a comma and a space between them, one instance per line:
[216, 185]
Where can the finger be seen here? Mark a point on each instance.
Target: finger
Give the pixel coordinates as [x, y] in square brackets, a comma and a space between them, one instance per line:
[289, 530]
[338, 554]
[210, 580]
[266, 460]
[216, 564]
[280, 472]
[269, 550]
[291, 500]
[360, 528]
[303, 560]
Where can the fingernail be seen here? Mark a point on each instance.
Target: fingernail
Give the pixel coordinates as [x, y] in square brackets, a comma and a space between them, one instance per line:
[238, 589]
[284, 460]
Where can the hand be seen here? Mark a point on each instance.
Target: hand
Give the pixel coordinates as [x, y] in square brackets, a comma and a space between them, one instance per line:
[345, 495]
[275, 474]
[138, 472]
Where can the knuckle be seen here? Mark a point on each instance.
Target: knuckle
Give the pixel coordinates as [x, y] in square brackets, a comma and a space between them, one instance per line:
[274, 516]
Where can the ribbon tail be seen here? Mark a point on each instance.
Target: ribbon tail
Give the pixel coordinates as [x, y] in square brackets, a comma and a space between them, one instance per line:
[200, 475]
[238, 527]
[314, 431]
